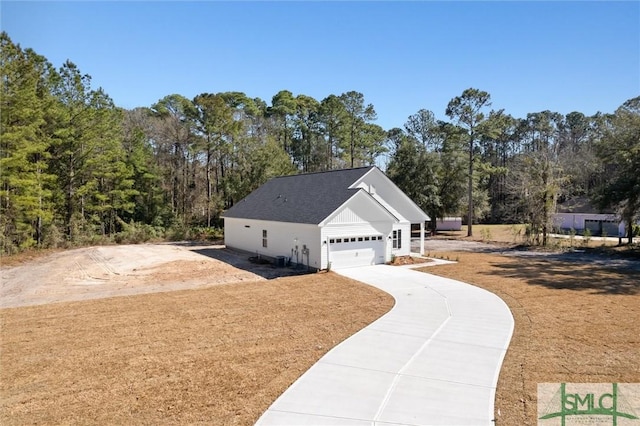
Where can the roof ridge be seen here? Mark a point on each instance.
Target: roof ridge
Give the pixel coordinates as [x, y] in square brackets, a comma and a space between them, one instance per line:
[326, 171]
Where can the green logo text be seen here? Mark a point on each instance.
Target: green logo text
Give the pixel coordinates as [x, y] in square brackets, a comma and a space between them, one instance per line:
[588, 404]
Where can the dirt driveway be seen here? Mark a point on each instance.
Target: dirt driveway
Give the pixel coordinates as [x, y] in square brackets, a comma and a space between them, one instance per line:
[107, 271]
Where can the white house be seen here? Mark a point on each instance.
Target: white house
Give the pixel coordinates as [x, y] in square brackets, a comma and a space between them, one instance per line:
[596, 223]
[334, 219]
[579, 214]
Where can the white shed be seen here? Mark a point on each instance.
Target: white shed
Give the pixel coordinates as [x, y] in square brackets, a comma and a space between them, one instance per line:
[449, 224]
[598, 224]
[334, 219]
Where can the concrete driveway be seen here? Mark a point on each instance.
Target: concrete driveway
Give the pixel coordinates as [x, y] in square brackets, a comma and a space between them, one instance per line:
[434, 359]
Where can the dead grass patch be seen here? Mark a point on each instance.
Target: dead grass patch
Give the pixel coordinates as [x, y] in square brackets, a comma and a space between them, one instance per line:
[25, 256]
[219, 355]
[574, 322]
[409, 260]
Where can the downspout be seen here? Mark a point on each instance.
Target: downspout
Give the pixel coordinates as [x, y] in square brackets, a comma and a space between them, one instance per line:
[326, 242]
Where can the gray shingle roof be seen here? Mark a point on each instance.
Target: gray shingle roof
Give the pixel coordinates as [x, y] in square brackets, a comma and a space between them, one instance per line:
[307, 198]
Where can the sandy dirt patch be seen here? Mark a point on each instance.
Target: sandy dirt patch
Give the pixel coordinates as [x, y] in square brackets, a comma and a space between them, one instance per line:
[108, 271]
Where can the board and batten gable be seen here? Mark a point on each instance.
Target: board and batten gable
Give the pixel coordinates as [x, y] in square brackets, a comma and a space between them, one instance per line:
[282, 239]
[360, 217]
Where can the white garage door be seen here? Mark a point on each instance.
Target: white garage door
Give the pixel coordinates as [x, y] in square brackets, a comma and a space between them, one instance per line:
[348, 252]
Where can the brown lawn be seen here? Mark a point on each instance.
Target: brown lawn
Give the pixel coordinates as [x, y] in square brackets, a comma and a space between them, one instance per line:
[573, 323]
[223, 354]
[219, 355]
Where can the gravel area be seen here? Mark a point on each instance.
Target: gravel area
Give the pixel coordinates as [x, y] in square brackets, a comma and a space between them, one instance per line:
[575, 255]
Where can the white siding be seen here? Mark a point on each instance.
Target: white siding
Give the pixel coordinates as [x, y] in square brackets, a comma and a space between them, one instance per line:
[396, 201]
[405, 242]
[360, 217]
[384, 189]
[283, 239]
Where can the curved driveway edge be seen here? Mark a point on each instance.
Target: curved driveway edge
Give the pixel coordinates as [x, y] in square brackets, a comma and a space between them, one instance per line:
[434, 359]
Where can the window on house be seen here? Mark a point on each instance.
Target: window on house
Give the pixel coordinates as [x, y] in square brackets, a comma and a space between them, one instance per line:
[366, 238]
[360, 238]
[264, 238]
[332, 240]
[353, 239]
[397, 239]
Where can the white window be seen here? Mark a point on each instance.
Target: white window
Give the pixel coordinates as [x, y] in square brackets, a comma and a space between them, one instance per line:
[397, 239]
[264, 238]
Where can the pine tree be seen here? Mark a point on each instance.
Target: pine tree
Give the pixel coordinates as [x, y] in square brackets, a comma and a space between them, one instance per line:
[94, 183]
[25, 203]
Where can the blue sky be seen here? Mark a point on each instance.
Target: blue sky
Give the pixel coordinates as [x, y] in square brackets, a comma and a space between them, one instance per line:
[403, 56]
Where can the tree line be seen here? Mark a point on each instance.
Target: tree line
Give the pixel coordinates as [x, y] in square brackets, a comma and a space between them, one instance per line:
[77, 169]
[495, 168]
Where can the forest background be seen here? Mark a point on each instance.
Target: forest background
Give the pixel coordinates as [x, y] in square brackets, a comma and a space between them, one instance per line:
[76, 169]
